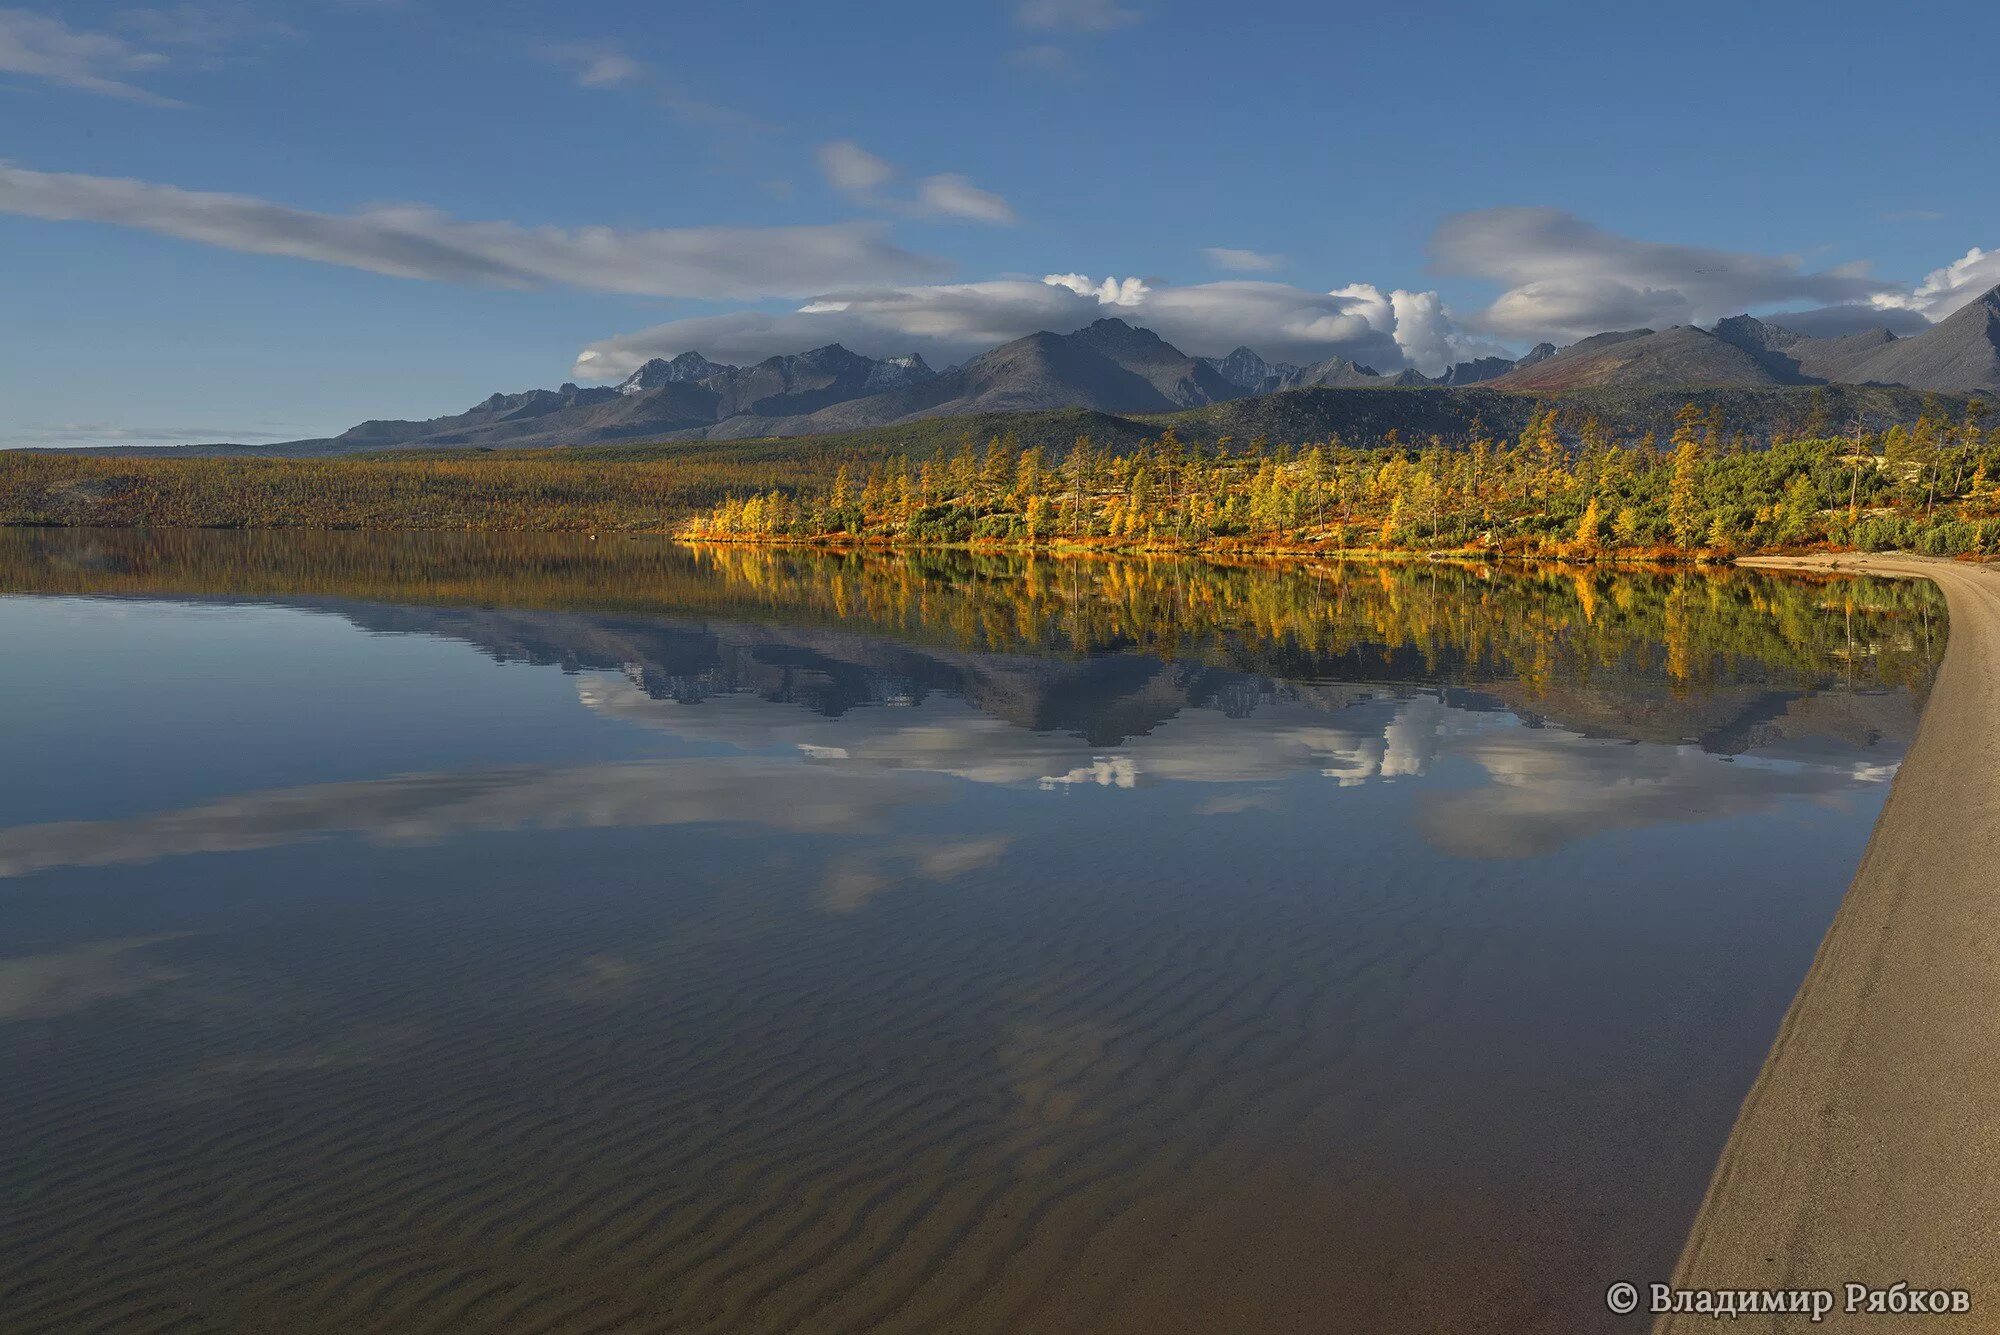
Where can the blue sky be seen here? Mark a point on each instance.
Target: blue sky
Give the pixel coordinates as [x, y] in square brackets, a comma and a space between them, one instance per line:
[254, 220]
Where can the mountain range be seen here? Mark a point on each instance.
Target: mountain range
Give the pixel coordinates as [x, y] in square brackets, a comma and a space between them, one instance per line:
[1113, 367]
[1960, 354]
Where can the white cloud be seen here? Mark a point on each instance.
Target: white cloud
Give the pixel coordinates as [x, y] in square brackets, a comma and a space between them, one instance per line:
[92, 62]
[947, 322]
[1243, 261]
[1568, 278]
[1366, 301]
[1565, 279]
[1109, 292]
[852, 169]
[1277, 319]
[952, 196]
[866, 178]
[597, 64]
[1945, 290]
[411, 241]
[1429, 337]
[1073, 15]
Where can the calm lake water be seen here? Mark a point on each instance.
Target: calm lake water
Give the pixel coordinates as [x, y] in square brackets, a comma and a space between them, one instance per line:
[405, 934]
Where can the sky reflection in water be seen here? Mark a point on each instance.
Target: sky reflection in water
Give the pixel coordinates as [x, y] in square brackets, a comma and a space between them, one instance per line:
[753, 943]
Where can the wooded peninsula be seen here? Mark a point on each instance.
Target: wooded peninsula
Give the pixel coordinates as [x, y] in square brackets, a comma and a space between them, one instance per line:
[1559, 489]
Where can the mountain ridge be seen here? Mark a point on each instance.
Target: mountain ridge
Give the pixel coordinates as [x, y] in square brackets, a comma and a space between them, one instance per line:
[1114, 367]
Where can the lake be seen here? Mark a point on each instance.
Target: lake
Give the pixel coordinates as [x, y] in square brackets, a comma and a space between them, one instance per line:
[542, 934]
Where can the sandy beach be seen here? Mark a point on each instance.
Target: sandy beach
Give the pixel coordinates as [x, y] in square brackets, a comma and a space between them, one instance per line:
[1868, 1150]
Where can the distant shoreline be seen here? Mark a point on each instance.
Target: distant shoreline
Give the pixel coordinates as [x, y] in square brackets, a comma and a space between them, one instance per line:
[1822, 560]
[1701, 495]
[1868, 1148]
[1219, 552]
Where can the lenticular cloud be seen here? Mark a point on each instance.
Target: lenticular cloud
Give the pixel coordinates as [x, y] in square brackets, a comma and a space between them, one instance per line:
[947, 322]
[410, 241]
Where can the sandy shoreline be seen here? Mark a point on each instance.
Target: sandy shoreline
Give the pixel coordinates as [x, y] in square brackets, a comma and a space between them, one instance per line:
[1868, 1150]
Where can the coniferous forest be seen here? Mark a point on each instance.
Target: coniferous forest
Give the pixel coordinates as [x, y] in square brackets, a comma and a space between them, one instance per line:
[1560, 488]
[1931, 486]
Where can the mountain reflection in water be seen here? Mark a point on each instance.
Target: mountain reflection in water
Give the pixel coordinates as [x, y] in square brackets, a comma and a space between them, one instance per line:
[437, 933]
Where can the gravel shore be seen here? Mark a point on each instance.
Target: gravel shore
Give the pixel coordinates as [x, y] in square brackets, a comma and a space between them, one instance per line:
[1868, 1151]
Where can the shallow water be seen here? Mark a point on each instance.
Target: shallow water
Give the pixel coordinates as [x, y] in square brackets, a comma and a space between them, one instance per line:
[463, 935]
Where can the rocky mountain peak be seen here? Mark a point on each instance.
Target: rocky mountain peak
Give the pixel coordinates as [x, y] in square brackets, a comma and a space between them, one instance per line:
[1248, 371]
[895, 372]
[1753, 335]
[688, 368]
[1112, 333]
